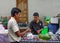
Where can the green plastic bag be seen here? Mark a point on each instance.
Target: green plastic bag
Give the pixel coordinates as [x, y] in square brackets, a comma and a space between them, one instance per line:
[44, 31]
[47, 18]
[44, 34]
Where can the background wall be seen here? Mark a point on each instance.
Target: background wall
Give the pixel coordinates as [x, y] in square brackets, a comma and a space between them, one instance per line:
[43, 7]
[5, 7]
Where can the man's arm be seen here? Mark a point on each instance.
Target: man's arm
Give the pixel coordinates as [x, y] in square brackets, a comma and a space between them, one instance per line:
[38, 31]
[18, 33]
[16, 30]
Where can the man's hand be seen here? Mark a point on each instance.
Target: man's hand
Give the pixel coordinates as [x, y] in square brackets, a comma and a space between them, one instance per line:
[28, 30]
[18, 33]
[23, 33]
[38, 31]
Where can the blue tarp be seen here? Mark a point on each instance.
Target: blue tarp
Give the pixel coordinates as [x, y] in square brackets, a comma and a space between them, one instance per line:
[53, 27]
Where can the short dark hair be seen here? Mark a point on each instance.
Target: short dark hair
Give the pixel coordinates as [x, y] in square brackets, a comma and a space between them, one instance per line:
[36, 14]
[15, 10]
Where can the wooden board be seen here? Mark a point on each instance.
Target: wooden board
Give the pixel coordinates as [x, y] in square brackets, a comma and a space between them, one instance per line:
[23, 6]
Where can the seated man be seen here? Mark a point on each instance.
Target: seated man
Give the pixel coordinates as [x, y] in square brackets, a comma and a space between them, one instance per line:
[36, 25]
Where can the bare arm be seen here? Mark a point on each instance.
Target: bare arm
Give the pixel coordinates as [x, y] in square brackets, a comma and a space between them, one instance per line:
[38, 31]
[18, 33]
